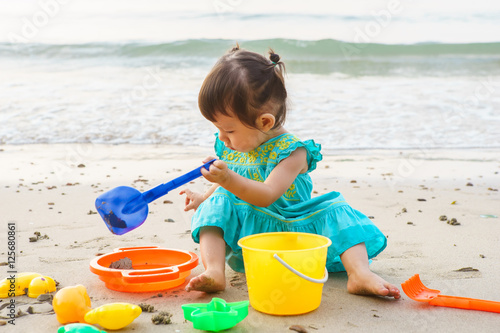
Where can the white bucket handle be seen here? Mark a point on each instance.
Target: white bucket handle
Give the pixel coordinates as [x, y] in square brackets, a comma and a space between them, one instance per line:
[293, 270]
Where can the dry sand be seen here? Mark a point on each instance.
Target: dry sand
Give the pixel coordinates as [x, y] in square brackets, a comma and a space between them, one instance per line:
[51, 189]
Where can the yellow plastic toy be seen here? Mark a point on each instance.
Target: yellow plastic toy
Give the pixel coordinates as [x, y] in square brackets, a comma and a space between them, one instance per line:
[71, 304]
[113, 316]
[41, 285]
[16, 285]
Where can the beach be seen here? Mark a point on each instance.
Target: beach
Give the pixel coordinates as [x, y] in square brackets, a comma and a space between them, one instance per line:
[50, 189]
[403, 97]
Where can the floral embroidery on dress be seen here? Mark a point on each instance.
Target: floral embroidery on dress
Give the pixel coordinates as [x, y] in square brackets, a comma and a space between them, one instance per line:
[290, 193]
[255, 175]
[267, 153]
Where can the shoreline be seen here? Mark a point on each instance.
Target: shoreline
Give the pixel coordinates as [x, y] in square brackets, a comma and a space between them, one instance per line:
[51, 188]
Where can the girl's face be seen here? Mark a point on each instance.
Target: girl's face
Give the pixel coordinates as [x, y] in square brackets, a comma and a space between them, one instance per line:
[236, 135]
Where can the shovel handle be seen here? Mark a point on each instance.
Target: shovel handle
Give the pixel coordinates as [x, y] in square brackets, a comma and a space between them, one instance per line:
[163, 189]
[465, 303]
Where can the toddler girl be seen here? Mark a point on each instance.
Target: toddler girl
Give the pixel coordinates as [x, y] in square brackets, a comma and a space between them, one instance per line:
[262, 183]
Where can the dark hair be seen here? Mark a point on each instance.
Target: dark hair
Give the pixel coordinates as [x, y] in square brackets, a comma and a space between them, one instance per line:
[247, 84]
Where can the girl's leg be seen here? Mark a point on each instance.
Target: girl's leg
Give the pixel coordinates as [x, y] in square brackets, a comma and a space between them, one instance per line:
[213, 256]
[362, 281]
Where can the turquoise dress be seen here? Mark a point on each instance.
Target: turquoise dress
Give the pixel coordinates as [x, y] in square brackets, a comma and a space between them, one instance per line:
[328, 215]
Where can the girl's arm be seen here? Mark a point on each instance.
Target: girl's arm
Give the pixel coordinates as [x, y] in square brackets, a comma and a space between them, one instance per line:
[255, 192]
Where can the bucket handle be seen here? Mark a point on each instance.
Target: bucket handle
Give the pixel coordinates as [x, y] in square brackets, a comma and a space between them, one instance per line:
[293, 270]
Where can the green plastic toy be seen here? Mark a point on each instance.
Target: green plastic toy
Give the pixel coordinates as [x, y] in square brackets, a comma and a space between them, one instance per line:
[217, 315]
[79, 328]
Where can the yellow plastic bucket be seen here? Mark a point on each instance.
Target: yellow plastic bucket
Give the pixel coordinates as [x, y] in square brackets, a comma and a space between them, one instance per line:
[285, 271]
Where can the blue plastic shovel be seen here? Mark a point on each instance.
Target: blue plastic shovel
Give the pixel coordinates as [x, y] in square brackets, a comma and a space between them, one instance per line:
[124, 208]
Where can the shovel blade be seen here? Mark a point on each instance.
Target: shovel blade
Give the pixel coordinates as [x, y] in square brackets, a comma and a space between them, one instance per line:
[111, 207]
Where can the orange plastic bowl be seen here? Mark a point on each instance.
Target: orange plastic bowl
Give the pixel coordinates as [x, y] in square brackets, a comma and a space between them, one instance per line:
[153, 268]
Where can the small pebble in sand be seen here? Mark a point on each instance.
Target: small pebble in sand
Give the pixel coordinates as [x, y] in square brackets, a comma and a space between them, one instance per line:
[469, 184]
[482, 256]
[124, 263]
[169, 220]
[167, 201]
[404, 210]
[467, 269]
[453, 221]
[443, 218]
[298, 328]
[410, 223]
[162, 318]
[421, 199]
[81, 165]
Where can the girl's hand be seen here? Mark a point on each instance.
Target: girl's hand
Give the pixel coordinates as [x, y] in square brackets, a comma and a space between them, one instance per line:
[217, 173]
[193, 199]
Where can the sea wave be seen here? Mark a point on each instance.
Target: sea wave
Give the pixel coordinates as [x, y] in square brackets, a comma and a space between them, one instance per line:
[302, 56]
[325, 48]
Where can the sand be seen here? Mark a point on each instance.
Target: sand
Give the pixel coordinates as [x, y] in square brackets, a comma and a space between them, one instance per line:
[50, 189]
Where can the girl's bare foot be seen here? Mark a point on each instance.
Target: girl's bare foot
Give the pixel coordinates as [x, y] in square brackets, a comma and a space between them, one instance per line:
[369, 283]
[209, 281]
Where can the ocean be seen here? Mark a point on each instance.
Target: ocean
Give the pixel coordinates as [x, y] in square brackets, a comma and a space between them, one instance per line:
[393, 74]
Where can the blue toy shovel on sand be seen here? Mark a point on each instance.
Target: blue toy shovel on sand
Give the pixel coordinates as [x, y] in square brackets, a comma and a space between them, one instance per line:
[124, 208]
